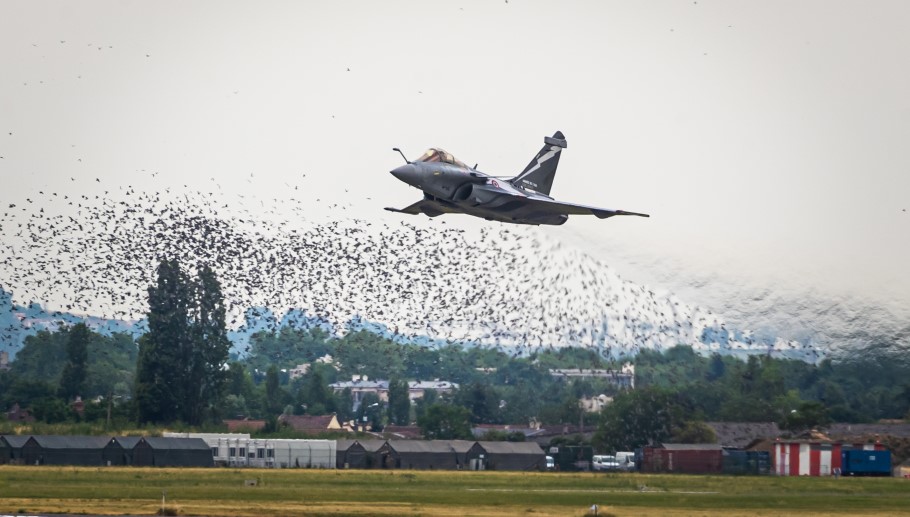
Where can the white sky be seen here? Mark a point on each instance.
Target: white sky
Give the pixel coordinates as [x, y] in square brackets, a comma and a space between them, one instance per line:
[767, 139]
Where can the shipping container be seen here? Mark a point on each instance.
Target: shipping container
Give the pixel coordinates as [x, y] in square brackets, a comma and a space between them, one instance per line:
[750, 463]
[683, 459]
[858, 462]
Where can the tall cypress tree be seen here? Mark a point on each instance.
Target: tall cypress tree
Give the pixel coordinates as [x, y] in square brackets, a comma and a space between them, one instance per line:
[72, 381]
[211, 347]
[399, 402]
[180, 371]
[165, 351]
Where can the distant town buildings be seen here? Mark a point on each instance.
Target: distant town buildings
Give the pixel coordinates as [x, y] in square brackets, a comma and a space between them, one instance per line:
[312, 424]
[302, 369]
[361, 385]
[623, 378]
[595, 404]
[18, 414]
[299, 371]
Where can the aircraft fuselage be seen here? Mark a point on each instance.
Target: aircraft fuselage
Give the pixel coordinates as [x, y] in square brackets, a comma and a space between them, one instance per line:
[474, 193]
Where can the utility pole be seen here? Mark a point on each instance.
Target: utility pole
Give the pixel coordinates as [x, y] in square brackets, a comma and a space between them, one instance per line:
[110, 402]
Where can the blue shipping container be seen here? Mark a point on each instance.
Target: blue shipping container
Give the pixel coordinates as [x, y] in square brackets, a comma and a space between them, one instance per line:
[856, 462]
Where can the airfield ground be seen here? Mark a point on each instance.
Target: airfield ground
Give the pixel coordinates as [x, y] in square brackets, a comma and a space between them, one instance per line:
[135, 491]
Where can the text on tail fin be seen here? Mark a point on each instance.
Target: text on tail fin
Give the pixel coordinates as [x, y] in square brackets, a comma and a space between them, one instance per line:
[538, 175]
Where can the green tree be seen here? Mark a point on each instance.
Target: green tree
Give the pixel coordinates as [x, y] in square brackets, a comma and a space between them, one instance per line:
[694, 432]
[51, 410]
[315, 394]
[446, 422]
[639, 417]
[110, 362]
[717, 369]
[370, 412]
[164, 363]
[235, 406]
[481, 400]
[274, 401]
[25, 391]
[807, 415]
[72, 381]
[42, 356]
[902, 401]
[399, 402]
[112, 365]
[422, 403]
[180, 370]
[239, 382]
[205, 387]
[344, 405]
[568, 411]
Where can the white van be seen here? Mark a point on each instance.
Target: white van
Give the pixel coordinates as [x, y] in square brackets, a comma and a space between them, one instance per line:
[626, 460]
[604, 462]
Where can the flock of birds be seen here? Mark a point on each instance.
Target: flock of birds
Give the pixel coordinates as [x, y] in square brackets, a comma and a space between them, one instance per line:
[500, 286]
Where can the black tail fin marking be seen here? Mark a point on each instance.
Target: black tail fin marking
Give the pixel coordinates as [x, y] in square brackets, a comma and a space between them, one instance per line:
[538, 175]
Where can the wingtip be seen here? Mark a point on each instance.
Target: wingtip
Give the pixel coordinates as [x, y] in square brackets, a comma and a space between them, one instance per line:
[603, 214]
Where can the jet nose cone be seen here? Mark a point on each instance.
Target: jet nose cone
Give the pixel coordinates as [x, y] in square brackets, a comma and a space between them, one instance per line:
[406, 173]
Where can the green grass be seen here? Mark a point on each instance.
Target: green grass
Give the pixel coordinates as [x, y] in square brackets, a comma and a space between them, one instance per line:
[327, 492]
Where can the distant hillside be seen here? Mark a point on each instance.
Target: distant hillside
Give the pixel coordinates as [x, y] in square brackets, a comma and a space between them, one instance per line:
[501, 286]
[17, 322]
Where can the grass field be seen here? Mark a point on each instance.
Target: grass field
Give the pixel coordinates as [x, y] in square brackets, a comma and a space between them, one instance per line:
[138, 491]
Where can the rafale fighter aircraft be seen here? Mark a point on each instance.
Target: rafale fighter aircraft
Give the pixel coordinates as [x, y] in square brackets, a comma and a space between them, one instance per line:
[451, 187]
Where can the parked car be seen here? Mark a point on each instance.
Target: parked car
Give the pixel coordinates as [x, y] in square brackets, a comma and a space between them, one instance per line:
[604, 462]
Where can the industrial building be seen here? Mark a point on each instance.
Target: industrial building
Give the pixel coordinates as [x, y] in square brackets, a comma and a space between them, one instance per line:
[240, 450]
[418, 455]
[506, 456]
[358, 454]
[104, 451]
[155, 451]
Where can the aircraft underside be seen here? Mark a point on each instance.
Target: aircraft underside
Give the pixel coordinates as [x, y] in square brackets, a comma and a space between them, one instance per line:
[504, 209]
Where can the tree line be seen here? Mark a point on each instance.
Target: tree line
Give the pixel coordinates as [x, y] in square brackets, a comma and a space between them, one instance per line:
[181, 371]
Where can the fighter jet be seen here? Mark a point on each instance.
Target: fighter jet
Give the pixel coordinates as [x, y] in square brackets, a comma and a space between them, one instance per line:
[451, 187]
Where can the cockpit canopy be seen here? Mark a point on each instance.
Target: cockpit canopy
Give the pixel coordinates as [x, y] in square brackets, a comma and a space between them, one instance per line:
[439, 155]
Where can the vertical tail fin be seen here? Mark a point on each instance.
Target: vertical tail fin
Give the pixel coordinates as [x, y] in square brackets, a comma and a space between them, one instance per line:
[538, 175]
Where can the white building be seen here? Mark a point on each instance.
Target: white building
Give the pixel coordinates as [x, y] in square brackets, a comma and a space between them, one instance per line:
[596, 403]
[361, 385]
[623, 378]
[299, 371]
[239, 450]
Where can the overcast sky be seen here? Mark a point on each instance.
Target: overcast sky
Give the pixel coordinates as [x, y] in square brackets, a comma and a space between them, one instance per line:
[767, 139]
